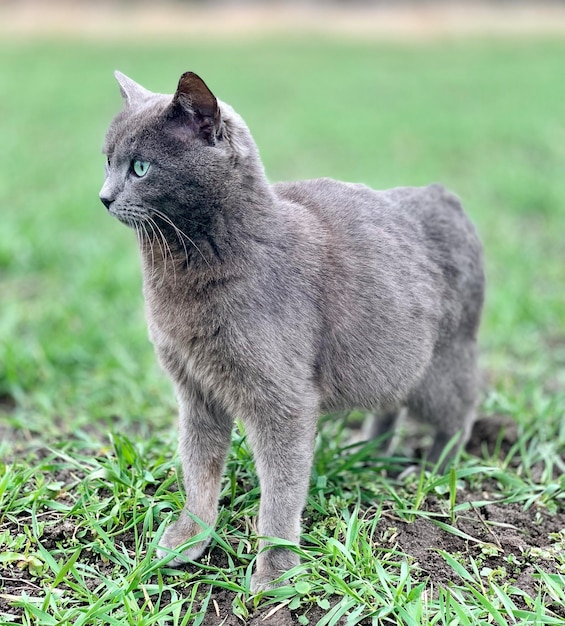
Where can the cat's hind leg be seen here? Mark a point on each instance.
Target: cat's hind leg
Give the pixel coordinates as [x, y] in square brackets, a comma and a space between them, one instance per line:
[446, 397]
[384, 422]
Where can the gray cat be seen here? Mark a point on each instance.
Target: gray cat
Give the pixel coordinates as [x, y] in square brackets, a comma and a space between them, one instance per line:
[276, 303]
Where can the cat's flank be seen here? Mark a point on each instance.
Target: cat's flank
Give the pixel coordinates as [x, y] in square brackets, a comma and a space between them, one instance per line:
[277, 303]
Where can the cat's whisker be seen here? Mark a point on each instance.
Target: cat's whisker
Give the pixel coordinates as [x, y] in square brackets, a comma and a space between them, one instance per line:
[179, 232]
[166, 247]
[159, 238]
[147, 236]
[140, 234]
[149, 239]
[166, 219]
[170, 253]
[153, 239]
[153, 227]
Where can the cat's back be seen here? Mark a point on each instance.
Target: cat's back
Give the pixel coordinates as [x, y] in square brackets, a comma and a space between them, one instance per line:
[342, 202]
[411, 223]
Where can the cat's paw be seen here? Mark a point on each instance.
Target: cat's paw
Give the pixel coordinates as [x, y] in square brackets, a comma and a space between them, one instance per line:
[265, 582]
[411, 470]
[272, 567]
[177, 534]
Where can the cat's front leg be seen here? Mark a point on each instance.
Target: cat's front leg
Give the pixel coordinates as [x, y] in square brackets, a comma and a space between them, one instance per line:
[204, 438]
[283, 447]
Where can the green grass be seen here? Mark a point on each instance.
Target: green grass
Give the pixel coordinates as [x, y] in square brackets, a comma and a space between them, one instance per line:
[88, 472]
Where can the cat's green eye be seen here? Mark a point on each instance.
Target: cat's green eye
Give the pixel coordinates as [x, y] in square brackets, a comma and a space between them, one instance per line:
[139, 167]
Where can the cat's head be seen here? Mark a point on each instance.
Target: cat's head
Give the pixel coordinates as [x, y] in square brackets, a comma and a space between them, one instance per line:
[172, 158]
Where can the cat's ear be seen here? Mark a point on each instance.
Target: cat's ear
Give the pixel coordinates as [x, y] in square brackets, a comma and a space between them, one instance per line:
[132, 93]
[193, 99]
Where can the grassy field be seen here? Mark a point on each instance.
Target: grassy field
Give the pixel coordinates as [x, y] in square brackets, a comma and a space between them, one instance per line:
[88, 471]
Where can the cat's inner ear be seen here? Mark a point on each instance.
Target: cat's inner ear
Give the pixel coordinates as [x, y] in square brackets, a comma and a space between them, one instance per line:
[194, 100]
[132, 92]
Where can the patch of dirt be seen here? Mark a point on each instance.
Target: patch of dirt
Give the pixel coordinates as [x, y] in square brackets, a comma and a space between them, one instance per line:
[220, 614]
[503, 536]
[7, 403]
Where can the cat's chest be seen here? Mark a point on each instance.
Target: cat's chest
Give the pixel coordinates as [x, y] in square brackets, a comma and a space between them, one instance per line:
[188, 334]
[177, 321]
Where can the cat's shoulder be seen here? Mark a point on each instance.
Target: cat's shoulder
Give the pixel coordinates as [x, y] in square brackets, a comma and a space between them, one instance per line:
[318, 187]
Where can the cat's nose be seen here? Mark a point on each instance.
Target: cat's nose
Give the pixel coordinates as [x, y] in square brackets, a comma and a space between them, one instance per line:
[106, 201]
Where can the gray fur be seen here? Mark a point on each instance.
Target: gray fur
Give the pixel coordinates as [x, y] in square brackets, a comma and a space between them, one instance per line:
[276, 303]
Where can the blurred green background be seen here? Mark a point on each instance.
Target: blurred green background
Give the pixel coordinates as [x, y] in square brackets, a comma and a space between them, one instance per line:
[485, 117]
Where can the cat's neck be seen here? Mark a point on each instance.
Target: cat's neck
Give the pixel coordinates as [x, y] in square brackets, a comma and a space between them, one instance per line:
[217, 243]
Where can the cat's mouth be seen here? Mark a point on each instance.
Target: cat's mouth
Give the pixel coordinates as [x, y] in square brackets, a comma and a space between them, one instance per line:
[126, 216]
